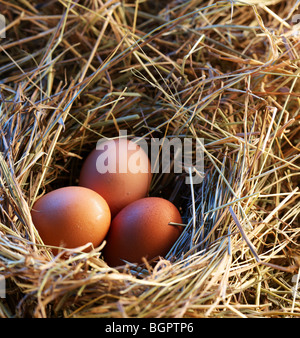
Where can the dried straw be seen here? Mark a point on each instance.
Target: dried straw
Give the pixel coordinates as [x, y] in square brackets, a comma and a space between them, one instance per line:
[223, 71]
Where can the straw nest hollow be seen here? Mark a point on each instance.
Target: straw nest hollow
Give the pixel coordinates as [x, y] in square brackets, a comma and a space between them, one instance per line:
[225, 72]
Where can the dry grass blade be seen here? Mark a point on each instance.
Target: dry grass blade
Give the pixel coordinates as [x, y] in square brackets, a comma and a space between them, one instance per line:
[226, 72]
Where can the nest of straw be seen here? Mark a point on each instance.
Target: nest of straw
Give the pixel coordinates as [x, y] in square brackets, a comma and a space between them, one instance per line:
[227, 72]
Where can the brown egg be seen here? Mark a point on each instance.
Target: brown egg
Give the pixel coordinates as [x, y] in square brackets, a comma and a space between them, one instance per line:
[120, 172]
[142, 229]
[71, 217]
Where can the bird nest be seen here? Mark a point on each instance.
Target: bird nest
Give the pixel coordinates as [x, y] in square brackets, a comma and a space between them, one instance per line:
[224, 72]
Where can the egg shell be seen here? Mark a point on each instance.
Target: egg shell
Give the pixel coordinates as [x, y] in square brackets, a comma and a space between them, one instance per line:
[71, 217]
[142, 229]
[121, 184]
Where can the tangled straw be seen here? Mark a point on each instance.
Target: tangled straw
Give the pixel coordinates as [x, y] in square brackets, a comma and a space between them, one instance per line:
[223, 71]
